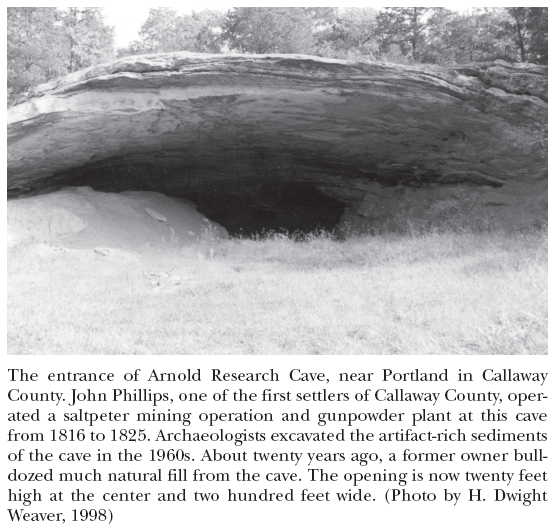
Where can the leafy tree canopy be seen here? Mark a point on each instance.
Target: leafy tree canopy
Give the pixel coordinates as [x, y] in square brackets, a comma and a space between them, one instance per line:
[89, 40]
[263, 30]
[528, 28]
[165, 30]
[35, 47]
[45, 43]
[352, 35]
[410, 28]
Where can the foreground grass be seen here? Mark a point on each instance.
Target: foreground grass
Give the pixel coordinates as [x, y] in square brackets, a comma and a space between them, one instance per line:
[434, 293]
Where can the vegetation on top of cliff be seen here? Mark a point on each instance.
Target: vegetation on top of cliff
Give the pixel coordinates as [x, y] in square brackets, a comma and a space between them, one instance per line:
[47, 43]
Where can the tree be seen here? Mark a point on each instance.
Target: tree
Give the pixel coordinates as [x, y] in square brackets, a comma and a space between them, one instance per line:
[89, 40]
[352, 35]
[538, 30]
[35, 48]
[262, 30]
[321, 17]
[518, 15]
[165, 30]
[408, 27]
[486, 34]
[528, 27]
[133, 48]
[477, 35]
[45, 43]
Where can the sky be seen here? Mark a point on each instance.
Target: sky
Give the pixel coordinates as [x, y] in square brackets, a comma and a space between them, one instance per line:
[126, 21]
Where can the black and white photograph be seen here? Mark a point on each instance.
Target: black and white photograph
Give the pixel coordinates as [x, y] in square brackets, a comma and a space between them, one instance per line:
[277, 180]
[191, 184]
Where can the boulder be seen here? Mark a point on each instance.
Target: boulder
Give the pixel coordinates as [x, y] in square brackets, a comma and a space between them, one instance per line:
[289, 141]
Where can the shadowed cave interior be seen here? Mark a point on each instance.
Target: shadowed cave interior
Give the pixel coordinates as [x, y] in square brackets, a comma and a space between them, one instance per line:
[248, 199]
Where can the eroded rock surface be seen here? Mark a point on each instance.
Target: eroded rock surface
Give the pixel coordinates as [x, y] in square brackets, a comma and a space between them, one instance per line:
[290, 141]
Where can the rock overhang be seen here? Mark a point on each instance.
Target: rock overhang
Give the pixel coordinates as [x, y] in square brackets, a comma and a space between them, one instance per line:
[243, 134]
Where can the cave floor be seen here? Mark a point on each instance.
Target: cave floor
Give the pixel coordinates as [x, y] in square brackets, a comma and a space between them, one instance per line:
[435, 293]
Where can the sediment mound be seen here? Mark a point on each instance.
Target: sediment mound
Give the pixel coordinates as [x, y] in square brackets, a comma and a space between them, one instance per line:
[82, 218]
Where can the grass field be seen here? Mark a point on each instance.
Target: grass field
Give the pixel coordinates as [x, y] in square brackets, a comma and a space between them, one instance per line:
[434, 292]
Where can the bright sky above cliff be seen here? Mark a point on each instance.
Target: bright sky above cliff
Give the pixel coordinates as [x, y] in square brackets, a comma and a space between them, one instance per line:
[126, 21]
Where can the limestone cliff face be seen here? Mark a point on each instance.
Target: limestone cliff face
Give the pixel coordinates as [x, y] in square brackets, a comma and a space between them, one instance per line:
[288, 140]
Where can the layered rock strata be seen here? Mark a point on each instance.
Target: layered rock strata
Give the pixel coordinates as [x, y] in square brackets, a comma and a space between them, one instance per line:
[287, 141]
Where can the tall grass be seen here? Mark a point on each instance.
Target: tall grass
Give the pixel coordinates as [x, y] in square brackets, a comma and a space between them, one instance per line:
[420, 291]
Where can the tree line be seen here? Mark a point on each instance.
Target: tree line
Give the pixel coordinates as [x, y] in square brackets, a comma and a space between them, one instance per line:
[46, 43]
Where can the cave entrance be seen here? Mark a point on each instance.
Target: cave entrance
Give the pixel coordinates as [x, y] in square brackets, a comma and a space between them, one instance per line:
[243, 204]
[290, 207]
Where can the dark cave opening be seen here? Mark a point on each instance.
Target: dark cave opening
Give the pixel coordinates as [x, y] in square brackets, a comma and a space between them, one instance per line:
[243, 203]
[291, 207]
